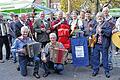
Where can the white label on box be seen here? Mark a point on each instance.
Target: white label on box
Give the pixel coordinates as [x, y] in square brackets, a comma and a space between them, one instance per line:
[79, 51]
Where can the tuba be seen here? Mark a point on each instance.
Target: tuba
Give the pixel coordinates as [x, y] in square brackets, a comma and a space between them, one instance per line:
[116, 39]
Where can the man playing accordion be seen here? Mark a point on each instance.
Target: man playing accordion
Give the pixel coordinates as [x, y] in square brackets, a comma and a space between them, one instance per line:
[53, 56]
[18, 47]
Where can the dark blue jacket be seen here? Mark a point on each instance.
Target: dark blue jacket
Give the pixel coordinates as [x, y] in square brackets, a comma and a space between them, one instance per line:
[106, 34]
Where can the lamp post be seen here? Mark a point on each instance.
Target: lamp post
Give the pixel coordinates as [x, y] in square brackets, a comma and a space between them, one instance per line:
[69, 6]
[33, 13]
[49, 3]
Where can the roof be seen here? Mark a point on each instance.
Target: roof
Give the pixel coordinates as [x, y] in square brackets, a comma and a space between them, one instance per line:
[115, 12]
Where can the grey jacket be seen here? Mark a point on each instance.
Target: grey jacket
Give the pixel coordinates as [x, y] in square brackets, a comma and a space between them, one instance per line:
[42, 36]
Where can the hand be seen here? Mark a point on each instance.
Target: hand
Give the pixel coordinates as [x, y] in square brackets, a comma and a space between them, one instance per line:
[114, 31]
[82, 32]
[44, 60]
[43, 29]
[90, 28]
[90, 37]
[66, 50]
[48, 31]
[62, 21]
[99, 30]
[22, 50]
[56, 48]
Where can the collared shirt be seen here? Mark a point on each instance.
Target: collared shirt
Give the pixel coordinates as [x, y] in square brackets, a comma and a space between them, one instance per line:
[49, 45]
[4, 29]
[19, 43]
[73, 24]
[100, 25]
[118, 24]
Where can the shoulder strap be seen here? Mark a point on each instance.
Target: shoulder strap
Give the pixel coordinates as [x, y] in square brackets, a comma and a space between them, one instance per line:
[77, 24]
[20, 39]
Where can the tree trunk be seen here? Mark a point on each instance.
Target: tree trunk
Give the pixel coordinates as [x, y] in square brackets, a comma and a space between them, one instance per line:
[69, 6]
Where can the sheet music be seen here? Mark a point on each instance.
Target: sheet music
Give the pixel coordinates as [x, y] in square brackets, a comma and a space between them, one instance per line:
[79, 51]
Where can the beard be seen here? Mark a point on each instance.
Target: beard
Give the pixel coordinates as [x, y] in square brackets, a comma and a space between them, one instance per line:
[100, 20]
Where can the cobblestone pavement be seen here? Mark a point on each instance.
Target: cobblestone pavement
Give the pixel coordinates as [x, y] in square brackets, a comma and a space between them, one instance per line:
[8, 72]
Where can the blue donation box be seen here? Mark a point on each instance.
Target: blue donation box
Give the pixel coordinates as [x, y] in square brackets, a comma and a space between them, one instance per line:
[80, 51]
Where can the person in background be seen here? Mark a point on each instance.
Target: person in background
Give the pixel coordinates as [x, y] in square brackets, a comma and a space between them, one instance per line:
[81, 19]
[68, 17]
[56, 23]
[12, 33]
[112, 21]
[118, 24]
[62, 29]
[51, 17]
[108, 17]
[88, 20]
[12, 14]
[19, 24]
[4, 38]
[117, 29]
[89, 23]
[18, 47]
[42, 28]
[82, 15]
[75, 26]
[29, 23]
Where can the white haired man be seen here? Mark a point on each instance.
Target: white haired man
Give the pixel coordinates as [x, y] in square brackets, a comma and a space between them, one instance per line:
[103, 36]
[47, 52]
[112, 21]
[42, 28]
[18, 47]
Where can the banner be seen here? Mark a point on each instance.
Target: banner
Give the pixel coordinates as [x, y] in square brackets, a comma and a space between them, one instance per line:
[14, 4]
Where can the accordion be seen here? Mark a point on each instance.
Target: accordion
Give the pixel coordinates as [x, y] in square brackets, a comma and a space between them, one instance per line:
[33, 49]
[58, 55]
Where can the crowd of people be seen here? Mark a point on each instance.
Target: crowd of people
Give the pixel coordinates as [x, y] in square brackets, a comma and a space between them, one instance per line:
[56, 32]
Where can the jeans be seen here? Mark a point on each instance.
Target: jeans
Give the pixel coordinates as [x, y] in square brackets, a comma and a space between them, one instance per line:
[14, 54]
[54, 66]
[96, 58]
[23, 64]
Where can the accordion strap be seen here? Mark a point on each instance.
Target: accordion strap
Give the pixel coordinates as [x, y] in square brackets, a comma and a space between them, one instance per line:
[22, 40]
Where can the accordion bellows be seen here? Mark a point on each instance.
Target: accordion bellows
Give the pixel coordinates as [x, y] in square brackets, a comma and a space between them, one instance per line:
[33, 49]
[58, 55]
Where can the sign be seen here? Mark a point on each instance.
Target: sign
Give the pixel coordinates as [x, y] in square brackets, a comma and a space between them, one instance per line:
[79, 51]
[80, 55]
